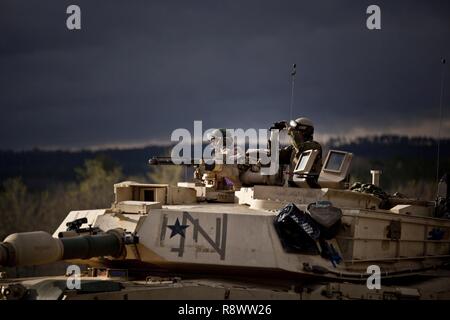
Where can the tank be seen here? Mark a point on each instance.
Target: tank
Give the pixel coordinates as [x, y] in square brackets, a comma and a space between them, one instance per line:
[271, 237]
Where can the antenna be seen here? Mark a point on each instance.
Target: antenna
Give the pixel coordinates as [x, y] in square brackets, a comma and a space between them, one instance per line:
[440, 120]
[293, 73]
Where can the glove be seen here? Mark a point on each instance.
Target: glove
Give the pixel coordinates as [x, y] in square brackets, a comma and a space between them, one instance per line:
[280, 125]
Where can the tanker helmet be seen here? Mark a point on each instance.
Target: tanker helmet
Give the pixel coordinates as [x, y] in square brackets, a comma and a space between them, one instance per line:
[220, 137]
[304, 125]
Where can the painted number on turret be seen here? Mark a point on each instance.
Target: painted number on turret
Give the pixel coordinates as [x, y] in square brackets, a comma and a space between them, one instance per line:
[191, 228]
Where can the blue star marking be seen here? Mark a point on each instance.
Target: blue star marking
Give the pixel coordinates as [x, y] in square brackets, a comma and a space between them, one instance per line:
[177, 228]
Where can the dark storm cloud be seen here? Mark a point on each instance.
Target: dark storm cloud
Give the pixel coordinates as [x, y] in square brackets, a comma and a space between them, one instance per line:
[139, 69]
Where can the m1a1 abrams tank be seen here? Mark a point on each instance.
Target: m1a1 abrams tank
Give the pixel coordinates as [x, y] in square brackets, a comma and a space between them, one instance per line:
[269, 240]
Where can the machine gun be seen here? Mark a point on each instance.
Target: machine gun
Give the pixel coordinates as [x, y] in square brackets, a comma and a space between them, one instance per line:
[167, 161]
[216, 181]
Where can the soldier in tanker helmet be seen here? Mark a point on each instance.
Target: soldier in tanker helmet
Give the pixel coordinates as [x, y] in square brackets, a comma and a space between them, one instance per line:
[225, 175]
[224, 143]
[301, 131]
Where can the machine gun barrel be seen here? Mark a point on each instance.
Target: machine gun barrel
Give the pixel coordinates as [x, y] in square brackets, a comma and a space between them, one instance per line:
[168, 161]
[39, 247]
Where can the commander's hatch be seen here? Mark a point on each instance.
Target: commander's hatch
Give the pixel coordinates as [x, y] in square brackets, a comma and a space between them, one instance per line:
[335, 169]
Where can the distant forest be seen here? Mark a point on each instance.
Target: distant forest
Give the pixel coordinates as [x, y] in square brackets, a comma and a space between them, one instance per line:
[38, 188]
[408, 165]
[40, 169]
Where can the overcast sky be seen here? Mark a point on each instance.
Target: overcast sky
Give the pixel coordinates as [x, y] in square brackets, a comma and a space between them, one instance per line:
[137, 70]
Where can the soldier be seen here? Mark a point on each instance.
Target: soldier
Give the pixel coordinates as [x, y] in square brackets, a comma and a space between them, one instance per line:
[223, 142]
[301, 132]
[225, 175]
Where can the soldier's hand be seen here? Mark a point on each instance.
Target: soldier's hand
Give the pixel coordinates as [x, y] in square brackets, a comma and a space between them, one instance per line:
[280, 125]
